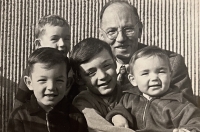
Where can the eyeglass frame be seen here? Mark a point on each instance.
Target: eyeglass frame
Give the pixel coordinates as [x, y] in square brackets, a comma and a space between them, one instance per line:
[117, 31]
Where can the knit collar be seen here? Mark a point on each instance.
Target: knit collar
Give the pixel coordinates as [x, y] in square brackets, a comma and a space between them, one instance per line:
[33, 106]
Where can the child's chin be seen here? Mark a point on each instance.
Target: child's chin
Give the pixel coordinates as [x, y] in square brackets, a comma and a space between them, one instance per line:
[50, 103]
[107, 92]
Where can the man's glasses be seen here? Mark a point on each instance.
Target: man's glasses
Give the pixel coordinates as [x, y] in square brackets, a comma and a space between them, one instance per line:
[113, 33]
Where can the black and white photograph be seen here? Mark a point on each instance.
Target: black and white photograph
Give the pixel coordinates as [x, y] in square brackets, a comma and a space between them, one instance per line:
[100, 66]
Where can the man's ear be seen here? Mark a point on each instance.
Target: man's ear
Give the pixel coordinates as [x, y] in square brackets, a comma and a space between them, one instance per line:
[115, 63]
[28, 82]
[140, 30]
[171, 74]
[132, 79]
[101, 35]
[37, 43]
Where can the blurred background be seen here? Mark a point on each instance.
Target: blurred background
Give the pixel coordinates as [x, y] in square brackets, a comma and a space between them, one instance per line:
[170, 24]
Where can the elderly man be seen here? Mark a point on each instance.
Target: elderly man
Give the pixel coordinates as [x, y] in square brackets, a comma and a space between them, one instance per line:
[121, 28]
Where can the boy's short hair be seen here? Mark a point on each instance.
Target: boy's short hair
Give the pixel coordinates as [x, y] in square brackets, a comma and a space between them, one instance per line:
[49, 56]
[85, 50]
[148, 51]
[53, 20]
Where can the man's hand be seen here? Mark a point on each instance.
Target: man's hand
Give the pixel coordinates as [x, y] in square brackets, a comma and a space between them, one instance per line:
[120, 121]
[180, 130]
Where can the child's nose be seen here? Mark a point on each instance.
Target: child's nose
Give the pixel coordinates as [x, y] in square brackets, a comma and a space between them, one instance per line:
[61, 43]
[50, 85]
[102, 74]
[154, 76]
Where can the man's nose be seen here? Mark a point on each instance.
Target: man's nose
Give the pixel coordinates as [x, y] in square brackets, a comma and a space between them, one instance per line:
[121, 36]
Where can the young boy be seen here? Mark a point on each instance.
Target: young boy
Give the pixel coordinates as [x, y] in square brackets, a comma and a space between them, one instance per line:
[153, 104]
[51, 31]
[93, 64]
[48, 110]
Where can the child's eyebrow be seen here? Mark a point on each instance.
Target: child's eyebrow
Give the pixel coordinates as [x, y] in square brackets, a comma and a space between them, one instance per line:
[105, 61]
[55, 35]
[163, 68]
[145, 70]
[42, 76]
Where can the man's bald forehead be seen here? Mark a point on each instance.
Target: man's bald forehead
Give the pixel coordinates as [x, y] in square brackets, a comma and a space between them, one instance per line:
[118, 6]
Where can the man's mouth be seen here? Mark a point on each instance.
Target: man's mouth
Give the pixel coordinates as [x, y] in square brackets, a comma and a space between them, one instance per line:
[122, 46]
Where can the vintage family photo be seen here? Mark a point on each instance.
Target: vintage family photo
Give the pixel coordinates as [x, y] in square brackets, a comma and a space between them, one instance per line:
[100, 66]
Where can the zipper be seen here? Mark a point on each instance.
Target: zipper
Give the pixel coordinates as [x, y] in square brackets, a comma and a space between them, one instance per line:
[47, 122]
[145, 108]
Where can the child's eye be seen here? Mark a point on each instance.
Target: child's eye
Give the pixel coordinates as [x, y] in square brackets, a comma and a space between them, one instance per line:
[162, 71]
[60, 80]
[107, 65]
[145, 73]
[90, 74]
[41, 80]
[54, 39]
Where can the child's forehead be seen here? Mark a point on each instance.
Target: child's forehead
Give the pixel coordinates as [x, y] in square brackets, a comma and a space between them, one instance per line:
[152, 57]
[148, 61]
[47, 66]
[50, 26]
[51, 30]
[103, 55]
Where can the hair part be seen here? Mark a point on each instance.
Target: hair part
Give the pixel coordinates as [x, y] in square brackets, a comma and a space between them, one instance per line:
[148, 51]
[48, 56]
[134, 9]
[85, 50]
[53, 20]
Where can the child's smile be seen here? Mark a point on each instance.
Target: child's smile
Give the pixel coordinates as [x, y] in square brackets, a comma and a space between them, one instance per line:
[50, 85]
[99, 73]
[152, 75]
